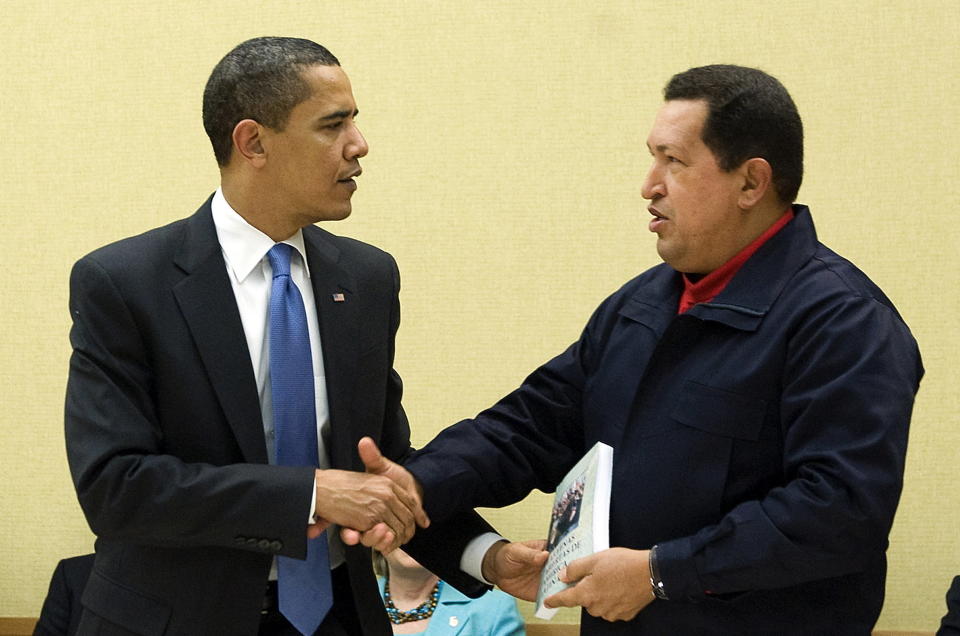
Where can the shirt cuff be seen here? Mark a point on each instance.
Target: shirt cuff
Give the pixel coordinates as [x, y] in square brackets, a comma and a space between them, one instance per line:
[313, 502]
[471, 561]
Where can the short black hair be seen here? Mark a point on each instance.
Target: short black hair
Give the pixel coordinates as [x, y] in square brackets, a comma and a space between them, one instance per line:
[260, 79]
[750, 114]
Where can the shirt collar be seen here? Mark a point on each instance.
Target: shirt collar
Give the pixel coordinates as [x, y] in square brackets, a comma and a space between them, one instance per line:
[244, 246]
[709, 287]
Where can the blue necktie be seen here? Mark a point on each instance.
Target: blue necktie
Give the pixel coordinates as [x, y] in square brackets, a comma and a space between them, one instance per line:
[305, 590]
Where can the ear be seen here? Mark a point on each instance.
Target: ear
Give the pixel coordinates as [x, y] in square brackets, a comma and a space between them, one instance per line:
[757, 181]
[247, 142]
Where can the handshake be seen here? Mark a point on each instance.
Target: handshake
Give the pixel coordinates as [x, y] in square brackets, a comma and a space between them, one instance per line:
[382, 507]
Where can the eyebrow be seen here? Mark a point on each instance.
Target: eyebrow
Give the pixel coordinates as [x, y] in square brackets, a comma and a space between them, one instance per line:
[340, 114]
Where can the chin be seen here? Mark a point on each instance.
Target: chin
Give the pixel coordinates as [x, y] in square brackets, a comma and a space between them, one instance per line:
[331, 215]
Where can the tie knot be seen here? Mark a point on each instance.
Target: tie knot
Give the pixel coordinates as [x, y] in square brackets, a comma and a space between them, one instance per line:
[279, 257]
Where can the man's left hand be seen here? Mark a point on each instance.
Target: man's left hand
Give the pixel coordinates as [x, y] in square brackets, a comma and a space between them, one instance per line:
[515, 567]
[613, 584]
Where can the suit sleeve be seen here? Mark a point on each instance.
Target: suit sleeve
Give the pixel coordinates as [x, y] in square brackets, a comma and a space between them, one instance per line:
[129, 487]
[848, 389]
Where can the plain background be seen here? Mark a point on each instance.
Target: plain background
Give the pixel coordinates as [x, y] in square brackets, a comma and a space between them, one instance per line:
[507, 153]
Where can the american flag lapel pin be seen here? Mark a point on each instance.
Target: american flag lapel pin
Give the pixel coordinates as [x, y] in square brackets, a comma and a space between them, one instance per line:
[338, 298]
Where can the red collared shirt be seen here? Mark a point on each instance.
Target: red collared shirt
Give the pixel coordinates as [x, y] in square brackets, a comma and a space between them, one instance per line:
[708, 287]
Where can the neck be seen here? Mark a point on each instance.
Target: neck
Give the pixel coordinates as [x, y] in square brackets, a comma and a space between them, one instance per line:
[259, 211]
[409, 589]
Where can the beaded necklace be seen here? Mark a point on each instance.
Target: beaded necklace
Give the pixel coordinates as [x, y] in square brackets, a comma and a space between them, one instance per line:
[419, 613]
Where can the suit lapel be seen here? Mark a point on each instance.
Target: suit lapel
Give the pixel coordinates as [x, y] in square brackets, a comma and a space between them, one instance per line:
[210, 309]
[337, 314]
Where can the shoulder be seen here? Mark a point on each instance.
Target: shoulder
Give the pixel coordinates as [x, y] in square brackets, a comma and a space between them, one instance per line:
[829, 282]
[76, 570]
[133, 249]
[349, 248]
[492, 601]
[362, 259]
[133, 261]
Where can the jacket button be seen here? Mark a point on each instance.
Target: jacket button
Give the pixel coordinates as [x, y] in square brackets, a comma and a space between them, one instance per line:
[276, 546]
[239, 540]
[263, 544]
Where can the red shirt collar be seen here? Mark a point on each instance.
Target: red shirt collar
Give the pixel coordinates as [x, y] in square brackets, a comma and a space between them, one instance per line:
[708, 287]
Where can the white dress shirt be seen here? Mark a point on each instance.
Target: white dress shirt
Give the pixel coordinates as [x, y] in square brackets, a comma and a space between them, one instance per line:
[251, 277]
[245, 253]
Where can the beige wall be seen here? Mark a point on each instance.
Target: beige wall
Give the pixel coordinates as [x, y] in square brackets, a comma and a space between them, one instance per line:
[507, 150]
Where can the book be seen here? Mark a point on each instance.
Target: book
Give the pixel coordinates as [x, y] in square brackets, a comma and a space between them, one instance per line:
[579, 521]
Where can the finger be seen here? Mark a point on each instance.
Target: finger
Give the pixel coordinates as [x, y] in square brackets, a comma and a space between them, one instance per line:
[408, 512]
[350, 536]
[420, 516]
[371, 457]
[578, 569]
[530, 552]
[564, 598]
[381, 538]
[540, 545]
[314, 530]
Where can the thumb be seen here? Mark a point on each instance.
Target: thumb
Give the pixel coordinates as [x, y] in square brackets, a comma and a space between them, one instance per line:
[314, 530]
[578, 569]
[370, 456]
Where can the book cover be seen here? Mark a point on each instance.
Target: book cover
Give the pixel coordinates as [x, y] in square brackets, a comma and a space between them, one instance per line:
[579, 521]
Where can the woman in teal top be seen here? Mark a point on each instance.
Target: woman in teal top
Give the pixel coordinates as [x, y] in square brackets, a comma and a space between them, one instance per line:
[417, 602]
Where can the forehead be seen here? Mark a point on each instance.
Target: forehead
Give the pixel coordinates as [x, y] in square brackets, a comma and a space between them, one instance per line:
[678, 124]
[330, 88]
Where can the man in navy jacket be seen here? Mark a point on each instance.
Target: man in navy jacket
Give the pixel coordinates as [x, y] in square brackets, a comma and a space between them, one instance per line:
[757, 389]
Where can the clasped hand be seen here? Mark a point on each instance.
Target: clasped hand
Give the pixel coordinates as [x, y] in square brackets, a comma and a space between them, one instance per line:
[380, 508]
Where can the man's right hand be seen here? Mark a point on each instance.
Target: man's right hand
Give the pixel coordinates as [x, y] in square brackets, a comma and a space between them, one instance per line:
[383, 535]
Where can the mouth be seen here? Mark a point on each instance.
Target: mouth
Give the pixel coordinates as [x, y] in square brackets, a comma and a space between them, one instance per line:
[348, 180]
[658, 220]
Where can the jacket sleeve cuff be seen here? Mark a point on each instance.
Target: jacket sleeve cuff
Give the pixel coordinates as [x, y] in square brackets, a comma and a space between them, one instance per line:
[677, 570]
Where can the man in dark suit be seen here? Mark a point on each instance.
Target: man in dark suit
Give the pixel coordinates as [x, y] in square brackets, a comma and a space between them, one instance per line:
[170, 416]
[61, 610]
[756, 388]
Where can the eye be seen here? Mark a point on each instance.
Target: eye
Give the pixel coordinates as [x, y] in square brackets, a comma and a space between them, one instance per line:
[334, 125]
[672, 159]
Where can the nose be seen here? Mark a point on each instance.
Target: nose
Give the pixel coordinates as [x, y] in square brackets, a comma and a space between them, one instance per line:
[357, 146]
[653, 187]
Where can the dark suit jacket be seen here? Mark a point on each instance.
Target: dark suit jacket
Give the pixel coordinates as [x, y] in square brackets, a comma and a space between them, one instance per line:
[164, 435]
[61, 609]
[759, 440]
[950, 624]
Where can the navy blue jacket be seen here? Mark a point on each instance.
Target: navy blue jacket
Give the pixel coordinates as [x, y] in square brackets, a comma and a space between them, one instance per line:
[759, 440]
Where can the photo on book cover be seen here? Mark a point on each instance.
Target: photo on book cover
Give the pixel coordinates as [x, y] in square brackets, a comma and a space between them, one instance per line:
[566, 513]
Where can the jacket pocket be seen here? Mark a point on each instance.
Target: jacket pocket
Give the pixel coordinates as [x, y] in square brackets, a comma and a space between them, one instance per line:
[125, 607]
[719, 411]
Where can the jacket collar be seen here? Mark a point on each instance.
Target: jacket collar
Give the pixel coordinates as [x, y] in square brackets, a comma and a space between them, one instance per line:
[745, 301]
[752, 292]
[206, 300]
